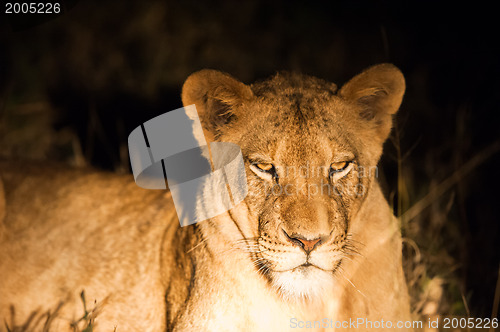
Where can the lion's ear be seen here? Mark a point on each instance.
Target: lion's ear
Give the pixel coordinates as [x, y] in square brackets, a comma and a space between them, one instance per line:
[378, 91]
[217, 97]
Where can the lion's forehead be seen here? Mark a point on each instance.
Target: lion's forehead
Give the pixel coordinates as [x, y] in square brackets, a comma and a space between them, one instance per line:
[294, 133]
[304, 150]
[296, 148]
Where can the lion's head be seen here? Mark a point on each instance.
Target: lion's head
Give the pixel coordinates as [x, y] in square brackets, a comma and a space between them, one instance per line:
[310, 152]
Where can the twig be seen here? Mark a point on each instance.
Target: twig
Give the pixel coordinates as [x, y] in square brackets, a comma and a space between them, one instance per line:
[458, 175]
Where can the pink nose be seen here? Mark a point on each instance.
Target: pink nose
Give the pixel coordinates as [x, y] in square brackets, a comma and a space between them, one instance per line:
[307, 245]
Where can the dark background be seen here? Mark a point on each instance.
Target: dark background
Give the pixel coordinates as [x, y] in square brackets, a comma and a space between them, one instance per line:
[73, 86]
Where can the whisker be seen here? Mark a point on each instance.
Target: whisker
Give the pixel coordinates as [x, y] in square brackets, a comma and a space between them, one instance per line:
[259, 261]
[350, 250]
[341, 272]
[348, 257]
[263, 269]
[255, 238]
[202, 242]
[351, 239]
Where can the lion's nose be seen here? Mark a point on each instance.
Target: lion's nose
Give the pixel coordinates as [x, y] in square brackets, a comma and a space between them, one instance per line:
[307, 245]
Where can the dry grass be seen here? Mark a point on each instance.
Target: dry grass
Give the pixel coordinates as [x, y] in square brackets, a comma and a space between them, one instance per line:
[44, 322]
[435, 284]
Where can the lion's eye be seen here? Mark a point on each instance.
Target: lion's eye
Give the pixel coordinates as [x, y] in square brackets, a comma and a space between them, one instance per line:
[265, 167]
[265, 170]
[340, 169]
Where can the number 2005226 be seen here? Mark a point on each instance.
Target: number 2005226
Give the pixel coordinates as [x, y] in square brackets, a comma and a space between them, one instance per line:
[32, 8]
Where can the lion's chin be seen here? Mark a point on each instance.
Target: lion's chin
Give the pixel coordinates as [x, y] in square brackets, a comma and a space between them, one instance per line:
[303, 282]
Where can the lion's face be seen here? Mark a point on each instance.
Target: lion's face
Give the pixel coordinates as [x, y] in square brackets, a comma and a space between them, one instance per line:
[310, 154]
[306, 183]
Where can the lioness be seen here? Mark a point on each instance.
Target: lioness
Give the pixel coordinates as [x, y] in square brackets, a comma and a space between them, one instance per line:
[314, 243]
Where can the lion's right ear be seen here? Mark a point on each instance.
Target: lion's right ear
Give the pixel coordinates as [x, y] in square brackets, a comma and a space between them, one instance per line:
[217, 97]
[378, 92]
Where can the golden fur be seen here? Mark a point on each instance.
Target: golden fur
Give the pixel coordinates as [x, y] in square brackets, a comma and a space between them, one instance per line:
[71, 230]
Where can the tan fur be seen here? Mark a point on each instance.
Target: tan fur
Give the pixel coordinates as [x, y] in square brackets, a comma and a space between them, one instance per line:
[72, 230]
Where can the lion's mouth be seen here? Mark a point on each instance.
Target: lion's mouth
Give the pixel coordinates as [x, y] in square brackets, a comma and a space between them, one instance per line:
[306, 280]
[307, 266]
[304, 268]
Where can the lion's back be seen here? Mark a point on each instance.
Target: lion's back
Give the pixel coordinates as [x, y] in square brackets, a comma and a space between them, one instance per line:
[65, 231]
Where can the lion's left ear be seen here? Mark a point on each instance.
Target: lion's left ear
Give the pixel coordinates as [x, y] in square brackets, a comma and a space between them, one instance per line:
[217, 97]
[378, 91]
